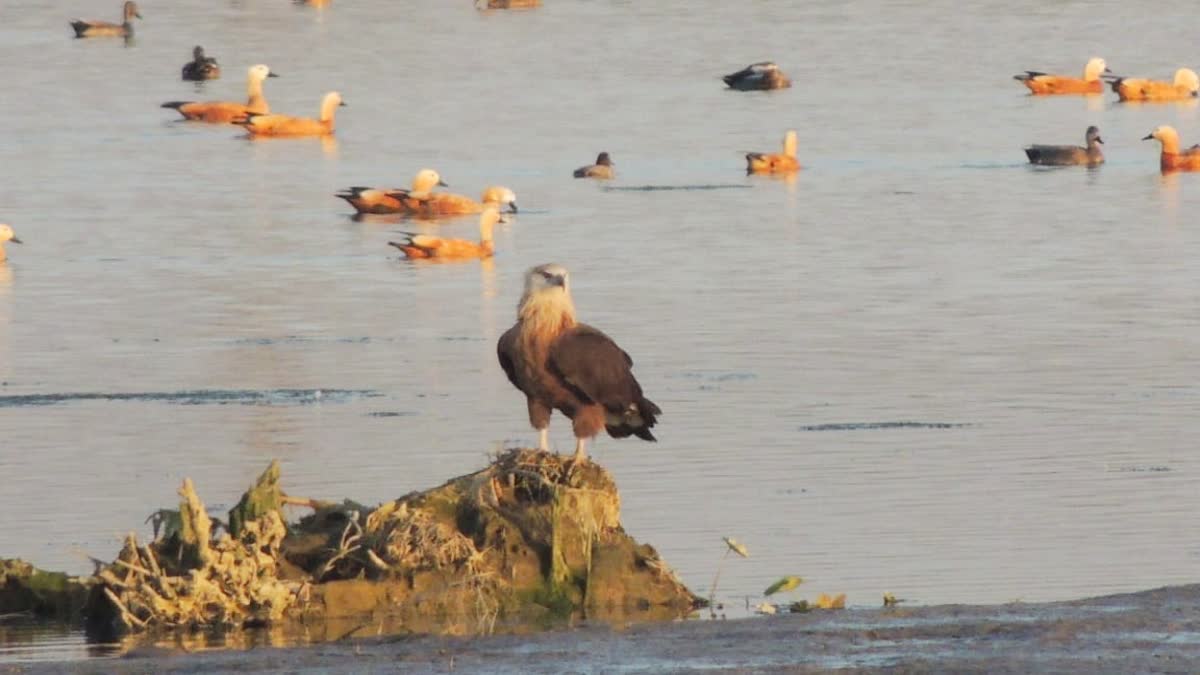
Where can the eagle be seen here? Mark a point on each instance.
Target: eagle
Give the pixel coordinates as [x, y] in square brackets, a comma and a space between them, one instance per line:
[561, 364]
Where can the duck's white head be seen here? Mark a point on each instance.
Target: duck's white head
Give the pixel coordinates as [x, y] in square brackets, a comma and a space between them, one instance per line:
[1186, 77]
[1165, 134]
[260, 72]
[1095, 68]
[501, 196]
[7, 234]
[426, 180]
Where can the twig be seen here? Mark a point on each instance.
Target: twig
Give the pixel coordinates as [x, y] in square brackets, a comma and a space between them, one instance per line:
[712, 590]
[314, 504]
[126, 615]
[136, 568]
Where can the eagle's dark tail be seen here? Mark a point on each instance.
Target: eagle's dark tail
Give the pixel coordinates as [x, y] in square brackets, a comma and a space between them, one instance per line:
[635, 420]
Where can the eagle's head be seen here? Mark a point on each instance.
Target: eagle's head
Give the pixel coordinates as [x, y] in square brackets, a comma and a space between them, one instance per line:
[549, 278]
[546, 305]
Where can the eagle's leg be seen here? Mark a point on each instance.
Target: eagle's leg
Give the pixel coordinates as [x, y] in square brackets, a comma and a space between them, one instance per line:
[580, 451]
[539, 418]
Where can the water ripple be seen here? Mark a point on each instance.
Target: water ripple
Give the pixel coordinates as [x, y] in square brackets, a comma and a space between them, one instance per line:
[198, 397]
[875, 426]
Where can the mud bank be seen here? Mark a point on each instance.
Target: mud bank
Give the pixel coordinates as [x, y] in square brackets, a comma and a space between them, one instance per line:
[532, 538]
[1152, 631]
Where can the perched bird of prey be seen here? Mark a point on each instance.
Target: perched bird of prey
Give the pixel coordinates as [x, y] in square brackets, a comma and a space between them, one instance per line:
[562, 364]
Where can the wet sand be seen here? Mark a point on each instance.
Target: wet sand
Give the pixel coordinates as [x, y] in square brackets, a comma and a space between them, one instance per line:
[1150, 631]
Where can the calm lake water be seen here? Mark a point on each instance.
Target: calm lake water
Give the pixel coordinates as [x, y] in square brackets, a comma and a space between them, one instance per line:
[190, 303]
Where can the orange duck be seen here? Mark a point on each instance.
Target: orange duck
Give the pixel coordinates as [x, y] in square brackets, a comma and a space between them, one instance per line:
[225, 112]
[427, 246]
[783, 162]
[385, 200]
[438, 204]
[285, 125]
[1184, 88]
[1172, 159]
[6, 234]
[1041, 83]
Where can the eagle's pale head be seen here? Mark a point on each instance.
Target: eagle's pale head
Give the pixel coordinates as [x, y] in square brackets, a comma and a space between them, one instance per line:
[548, 278]
[546, 303]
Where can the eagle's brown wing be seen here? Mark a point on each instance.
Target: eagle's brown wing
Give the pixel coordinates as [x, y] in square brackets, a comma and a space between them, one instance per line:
[504, 350]
[596, 370]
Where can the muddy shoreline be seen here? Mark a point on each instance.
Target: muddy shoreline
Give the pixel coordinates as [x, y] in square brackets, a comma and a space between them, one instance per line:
[1149, 631]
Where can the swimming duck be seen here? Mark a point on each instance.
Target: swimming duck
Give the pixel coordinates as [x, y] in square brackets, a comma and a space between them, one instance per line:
[224, 112]
[1068, 155]
[603, 168]
[383, 200]
[1042, 84]
[201, 67]
[762, 75]
[438, 204]
[87, 29]
[6, 234]
[1172, 159]
[783, 162]
[1185, 87]
[284, 125]
[426, 246]
[507, 4]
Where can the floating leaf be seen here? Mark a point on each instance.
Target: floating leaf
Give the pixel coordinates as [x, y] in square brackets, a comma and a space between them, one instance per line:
[785, 584]
[736, 546]
[831, 602]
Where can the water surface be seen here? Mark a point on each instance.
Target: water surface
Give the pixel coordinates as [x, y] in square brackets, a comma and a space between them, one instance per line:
[920, 367]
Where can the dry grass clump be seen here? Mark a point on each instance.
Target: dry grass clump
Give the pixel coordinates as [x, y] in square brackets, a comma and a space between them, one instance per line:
[415, 540]
[191, 579]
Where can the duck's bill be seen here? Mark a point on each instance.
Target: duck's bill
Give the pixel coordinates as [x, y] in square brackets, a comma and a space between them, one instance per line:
[16, 241]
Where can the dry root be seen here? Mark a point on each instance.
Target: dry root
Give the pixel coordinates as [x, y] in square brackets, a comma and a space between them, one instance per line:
[230, 582]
